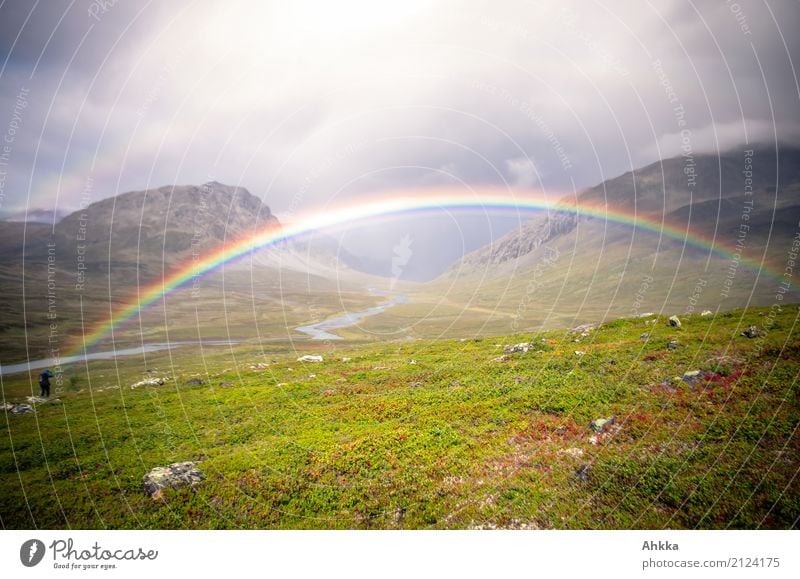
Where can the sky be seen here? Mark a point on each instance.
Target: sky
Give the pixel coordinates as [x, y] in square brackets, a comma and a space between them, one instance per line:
[310, 104]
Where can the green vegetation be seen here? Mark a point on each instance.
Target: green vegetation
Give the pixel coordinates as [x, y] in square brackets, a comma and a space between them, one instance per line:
[427, 434]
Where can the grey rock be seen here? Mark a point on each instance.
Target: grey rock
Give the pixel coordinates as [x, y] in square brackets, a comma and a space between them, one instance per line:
[674, 322]
[148, 382]
[753, 332]
[17, 408]
[176, 475]
[196, 381]
[601, 424]
[583, 329]
[693, 377]
[672, 344]
[645, 336]
[521, 347]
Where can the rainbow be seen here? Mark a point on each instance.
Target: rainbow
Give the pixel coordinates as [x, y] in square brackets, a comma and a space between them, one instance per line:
[394, 204]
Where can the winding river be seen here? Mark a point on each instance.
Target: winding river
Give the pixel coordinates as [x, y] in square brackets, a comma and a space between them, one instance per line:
[318, 331]
[321, 330]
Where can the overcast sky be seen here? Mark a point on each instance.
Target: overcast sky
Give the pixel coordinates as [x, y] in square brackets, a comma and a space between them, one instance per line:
[307, 103]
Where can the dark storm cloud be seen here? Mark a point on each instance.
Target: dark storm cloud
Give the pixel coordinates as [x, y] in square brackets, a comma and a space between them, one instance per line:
[306, 102]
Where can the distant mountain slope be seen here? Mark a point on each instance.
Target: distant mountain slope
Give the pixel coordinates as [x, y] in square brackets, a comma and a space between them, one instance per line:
[96, 260]
[561, 270]
[705, 193]
[166, 224]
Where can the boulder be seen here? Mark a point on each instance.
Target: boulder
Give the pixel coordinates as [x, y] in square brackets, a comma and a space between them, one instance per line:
[175, 475]
[148, 382]
[521, 347]
[694, 376]
[674, 322]
[583, 329]
[309, 358]
[17, 408]
[601, 424]
[753, 332]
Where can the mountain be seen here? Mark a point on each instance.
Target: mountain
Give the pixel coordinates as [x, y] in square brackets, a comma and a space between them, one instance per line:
[568, 267]
[49, 216]
[98, 259]
[662, 191]
[166, 224]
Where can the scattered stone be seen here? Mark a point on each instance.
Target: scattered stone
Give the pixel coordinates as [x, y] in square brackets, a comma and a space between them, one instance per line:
[583, 329]
[645, 315]
[645, 336]
[455, 384]
[328, 392]
[175, 475]
[259, 366]
[593, 440]
[674, 322]
[195, 381]
[580, 353]
[503, 358]
[413, 362]
[705, 313]
[416, 384]
[601, 424]
[694, 376]
[672, 344]
[17, 408]
[309, 358]
[582, 472]
[312, 376]
[573, 452]
[148, 382]
[226, 384]
[753, 332]
[521, 347]
[346, 359]
[33, 400]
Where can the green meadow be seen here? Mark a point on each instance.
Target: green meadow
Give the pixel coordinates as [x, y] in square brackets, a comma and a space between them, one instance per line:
[426, 434]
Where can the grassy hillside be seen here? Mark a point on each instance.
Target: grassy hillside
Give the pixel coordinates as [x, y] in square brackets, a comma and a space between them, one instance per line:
[428, 434]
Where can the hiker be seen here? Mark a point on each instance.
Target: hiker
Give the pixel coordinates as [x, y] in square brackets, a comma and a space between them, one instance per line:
[44, 382]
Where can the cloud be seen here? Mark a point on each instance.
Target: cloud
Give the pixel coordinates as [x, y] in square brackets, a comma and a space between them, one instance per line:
[309, 103]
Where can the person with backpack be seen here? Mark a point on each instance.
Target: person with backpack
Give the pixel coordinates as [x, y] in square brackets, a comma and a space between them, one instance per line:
[44, 382]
